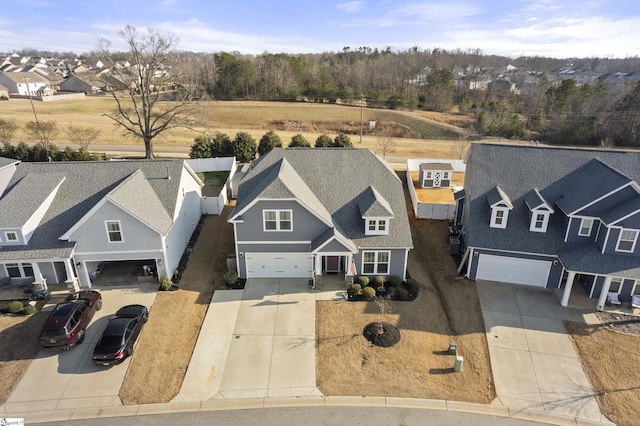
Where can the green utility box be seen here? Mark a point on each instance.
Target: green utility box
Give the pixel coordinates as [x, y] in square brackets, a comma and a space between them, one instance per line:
[457, 367]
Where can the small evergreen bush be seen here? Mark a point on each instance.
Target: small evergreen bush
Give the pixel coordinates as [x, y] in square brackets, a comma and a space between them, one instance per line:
[379, 281]
[395, 281]
[369, 293]
[15, 307]
[413, 285]
[391, 292]
[363, 280]
[356, 289]
[29, 310]
[165, 283]
[401, 294]
[230, 277]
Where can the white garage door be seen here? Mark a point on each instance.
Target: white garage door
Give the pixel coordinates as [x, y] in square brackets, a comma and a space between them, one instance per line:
[512, 270]
[278, 265]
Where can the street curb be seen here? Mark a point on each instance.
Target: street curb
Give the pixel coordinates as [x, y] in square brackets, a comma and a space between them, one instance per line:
[308, 401]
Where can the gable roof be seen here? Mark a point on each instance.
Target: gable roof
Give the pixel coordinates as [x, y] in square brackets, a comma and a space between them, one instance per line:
[372, 204]
[436, 166]
[330, 183]
[555, 172]
[534, 201]
[28, 195]
[85, 185]
[496, 196]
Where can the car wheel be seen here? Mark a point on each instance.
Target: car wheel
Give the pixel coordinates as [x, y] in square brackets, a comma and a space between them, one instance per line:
[81, 338]
[145, 318]
[99, 304]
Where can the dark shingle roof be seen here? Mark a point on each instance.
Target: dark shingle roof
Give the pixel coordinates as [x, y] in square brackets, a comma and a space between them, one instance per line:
[26, 197]
[556, 172]
[436, 166]
[621, 210]
[335, 178]
[372, 204]
[85, 184]
[497, 196]
[534, 200]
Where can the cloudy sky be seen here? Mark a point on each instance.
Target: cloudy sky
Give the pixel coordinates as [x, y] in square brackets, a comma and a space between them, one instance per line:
[556, 28]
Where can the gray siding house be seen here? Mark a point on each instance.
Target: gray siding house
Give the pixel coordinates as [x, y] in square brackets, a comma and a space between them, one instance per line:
[553, 217]
[59, 222]
[302, 213]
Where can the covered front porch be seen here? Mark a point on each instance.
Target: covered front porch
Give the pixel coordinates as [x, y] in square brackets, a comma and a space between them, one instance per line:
[25, 276]
[600, 293]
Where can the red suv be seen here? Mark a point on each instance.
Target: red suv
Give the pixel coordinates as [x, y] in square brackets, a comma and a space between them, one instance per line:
[67, 323]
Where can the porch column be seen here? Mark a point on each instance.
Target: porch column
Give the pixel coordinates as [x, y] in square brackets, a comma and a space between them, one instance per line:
[603, 294]
[68, 267]
[567, 288]
[317, 265]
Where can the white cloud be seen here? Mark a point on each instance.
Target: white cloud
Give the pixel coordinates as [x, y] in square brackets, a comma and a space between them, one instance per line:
[351, 7]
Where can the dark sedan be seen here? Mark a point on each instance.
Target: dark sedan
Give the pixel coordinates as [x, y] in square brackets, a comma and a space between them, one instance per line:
[120, 335]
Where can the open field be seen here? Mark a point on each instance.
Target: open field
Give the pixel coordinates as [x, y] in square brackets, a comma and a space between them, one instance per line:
[286, 119]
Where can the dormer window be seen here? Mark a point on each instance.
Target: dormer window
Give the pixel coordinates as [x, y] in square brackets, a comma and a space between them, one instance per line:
[377, 226]
[499, 216]
[627, 240]
[539, 221]
[11, 236]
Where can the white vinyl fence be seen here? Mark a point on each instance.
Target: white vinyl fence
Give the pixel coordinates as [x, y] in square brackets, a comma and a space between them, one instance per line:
[214, 205]
[431, 210]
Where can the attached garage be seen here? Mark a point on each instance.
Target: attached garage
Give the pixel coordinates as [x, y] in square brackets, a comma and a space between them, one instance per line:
[278, 265]
[513, 270]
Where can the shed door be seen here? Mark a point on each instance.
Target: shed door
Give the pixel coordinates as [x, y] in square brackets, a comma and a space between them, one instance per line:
[513, 270]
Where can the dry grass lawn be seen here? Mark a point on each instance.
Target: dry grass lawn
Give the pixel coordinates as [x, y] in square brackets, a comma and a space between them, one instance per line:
[610, 360]
[18, 347]
[446, 310]
[164, 350]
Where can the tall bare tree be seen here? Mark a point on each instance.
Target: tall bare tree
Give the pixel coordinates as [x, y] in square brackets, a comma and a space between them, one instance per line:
[146, 77]
[81, 135]
[386, 145]
[42, 131]
[7, 130]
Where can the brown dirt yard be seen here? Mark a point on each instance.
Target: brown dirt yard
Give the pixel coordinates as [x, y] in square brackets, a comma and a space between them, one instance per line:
[609, 357]
[164, 350]
[446, 310]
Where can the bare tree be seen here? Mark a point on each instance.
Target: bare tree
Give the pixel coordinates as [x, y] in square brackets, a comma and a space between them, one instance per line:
[146, 76]
[81, 135]
[7, 130]
[386, 145]
[461, 147]
[42, 131]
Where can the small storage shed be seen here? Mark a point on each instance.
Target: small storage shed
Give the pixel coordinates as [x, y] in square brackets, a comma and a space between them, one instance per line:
[435, 175]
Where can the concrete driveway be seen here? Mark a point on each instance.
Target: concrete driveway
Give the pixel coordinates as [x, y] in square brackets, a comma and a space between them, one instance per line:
[69, 379]
[258, 342]
[534, 364]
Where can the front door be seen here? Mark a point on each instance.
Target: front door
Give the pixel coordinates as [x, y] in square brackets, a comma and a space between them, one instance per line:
[437, 179]
[333, 263]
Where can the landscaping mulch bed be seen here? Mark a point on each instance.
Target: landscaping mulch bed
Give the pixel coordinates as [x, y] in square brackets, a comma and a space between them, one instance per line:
[381, 334]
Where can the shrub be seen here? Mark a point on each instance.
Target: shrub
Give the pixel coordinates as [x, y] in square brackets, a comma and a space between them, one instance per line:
[299, 141]
[29, 310]
[165, 283]
[391, 292]
[324, 141]
[413, 285]
[401, 294]
[356, 289]
[369, 293]
[395, 281]
[269, 141]
[230, 277]
[378, 281]
[363, 280]
[15, 307]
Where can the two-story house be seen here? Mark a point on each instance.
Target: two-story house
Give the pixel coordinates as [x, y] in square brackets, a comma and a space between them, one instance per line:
[553, 216]
[60, 221]
[306, 212]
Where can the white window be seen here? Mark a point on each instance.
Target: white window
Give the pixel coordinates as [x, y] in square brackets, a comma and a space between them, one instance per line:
[19, 270]
[114, 232]
[375, 262]
[445, 175]
[636, 288]
[499, 217]
[11, 236]
[429, 175]
[627, 240]
[616, 285]
[277, 220]
[585, 227]
[377, 227]
[539, 222]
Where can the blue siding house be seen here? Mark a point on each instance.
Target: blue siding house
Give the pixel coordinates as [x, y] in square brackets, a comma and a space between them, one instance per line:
[302, 213]
[550, 217]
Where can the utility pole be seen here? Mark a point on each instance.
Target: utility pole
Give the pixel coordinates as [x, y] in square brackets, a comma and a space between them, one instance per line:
[26, 81]
[361, 112]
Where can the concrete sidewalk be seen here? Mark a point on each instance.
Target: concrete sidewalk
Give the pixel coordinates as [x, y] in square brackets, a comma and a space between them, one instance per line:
[535, 366]
[257, 343]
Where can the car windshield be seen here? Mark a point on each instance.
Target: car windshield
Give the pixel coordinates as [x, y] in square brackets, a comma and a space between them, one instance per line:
[53, 333]
[110, 341]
